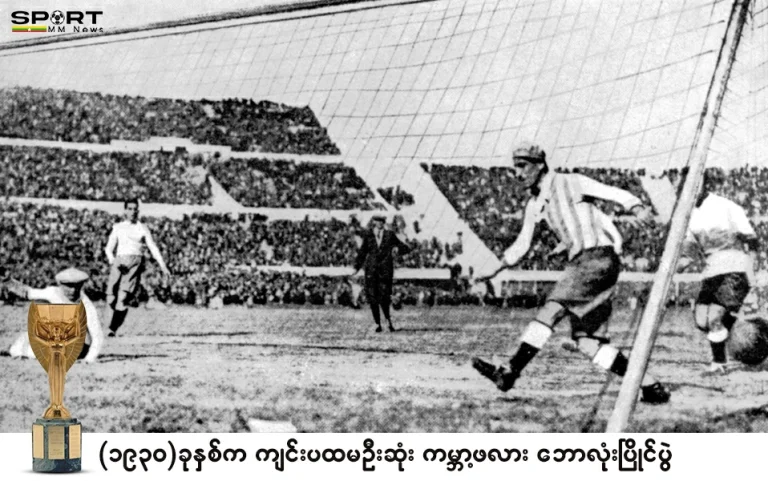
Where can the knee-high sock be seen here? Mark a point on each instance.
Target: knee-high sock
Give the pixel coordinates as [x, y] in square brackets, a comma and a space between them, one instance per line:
[728, 320]
[534, 338]
[717, 343]
[609, 358]
[118, 318]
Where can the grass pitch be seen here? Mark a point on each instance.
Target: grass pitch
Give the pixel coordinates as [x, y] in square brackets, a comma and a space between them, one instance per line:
[325, 370]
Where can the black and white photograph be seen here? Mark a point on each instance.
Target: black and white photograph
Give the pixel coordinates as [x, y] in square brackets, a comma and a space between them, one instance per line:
[389, 216]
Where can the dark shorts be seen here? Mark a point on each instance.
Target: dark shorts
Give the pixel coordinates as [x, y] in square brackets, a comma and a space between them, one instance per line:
[123, 282]
[727, 290]
[585, 289]
[589, 274]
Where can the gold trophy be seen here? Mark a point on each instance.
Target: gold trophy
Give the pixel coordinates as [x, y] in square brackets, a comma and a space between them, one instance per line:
[56, 334]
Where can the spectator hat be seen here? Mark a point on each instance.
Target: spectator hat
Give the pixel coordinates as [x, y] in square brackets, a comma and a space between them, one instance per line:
[71, 276]
[529, 151]
[714, 177]
[379, 218]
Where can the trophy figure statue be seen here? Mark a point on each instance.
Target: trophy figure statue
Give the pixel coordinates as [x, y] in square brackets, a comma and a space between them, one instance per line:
[56, 335]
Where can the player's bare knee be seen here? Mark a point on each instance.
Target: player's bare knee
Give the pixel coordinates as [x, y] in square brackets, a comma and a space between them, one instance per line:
[588, 345]
[610, 359]
[709, 317]
[551, 313]
[536, 334]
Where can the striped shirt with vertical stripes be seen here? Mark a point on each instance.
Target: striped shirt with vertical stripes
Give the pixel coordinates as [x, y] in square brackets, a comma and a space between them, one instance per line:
[565, 203]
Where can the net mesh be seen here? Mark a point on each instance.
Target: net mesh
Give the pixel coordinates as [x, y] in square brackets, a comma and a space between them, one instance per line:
[404, 83]
[601, 83]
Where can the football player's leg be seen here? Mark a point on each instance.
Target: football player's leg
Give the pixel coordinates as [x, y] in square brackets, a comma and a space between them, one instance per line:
[709, 319]
[113, 283]
[604, 355]
[536, 334]
[118, 318]
[131, 281]
[719, 298]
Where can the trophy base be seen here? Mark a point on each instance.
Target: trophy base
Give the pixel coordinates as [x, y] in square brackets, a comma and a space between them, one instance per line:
[56, 445]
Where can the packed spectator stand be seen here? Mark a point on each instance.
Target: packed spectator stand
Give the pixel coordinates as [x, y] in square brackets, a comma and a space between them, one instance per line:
[179, 178]
[216, 256]
[53, 173]
[288, 184]
[210, 253]
[244, 125]
[396, 197]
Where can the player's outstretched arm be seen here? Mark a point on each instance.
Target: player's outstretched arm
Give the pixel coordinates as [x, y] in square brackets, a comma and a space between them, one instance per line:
[746, 235]
[519, 248]
[18, 288]
[153, 249]
[592, 188]
[588, 187]
[111, 245]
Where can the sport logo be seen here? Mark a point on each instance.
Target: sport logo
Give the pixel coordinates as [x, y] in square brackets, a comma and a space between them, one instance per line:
[74, 21]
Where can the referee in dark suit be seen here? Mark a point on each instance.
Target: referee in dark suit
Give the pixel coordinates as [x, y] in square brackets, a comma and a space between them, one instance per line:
[376, 256]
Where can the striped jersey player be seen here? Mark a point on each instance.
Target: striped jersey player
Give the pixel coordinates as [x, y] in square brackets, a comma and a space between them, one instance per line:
[583, 294]
[125, 252]
[719, 229]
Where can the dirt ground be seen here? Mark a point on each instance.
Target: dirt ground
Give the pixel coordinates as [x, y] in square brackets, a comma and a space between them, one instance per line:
[326, 370]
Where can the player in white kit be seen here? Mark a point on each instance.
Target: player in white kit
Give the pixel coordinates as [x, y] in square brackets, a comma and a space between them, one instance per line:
[125, 252]
[720, 231]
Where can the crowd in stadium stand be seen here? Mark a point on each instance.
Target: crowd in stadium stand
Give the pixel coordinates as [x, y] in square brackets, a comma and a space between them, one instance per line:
[242, 124]
[201, 250]
[178, 178]
[284, 183]
[743, 185]
[484, 199]
[52, 173]
[396, 197]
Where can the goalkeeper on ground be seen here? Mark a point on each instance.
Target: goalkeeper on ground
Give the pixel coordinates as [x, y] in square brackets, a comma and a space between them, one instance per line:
[68, 290]
[583, 294]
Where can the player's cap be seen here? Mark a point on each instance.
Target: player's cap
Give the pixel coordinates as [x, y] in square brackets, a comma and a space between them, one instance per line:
[71, 276]
[379, 218]
[529, 151]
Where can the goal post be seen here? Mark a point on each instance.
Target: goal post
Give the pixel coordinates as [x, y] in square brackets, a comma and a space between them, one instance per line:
[649, 325]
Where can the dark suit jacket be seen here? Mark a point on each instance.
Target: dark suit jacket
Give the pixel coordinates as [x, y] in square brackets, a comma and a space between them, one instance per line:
[377, 260]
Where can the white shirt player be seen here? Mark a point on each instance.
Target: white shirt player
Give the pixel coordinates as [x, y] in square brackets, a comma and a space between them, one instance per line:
[564, 202]
[130, 238]
[53, 295]
[716, 226]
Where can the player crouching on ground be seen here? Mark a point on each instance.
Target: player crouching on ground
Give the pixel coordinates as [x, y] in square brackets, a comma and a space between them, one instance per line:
[583, 294]
[68, 291]
[719, 229]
